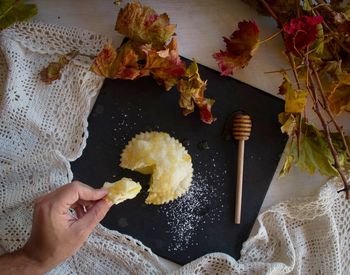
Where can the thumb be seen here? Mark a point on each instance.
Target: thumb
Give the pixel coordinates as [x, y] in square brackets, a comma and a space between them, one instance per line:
[94, 215]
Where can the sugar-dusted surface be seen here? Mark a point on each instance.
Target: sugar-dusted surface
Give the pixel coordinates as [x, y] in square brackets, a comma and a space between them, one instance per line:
[185, 216]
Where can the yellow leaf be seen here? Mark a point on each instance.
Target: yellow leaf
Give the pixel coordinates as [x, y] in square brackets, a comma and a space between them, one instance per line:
[289, 123]
[340, 99]
[191, 89]
[295, 101]
[144, 25]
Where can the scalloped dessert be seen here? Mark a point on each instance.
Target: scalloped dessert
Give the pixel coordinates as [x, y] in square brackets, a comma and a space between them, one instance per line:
[167, 161]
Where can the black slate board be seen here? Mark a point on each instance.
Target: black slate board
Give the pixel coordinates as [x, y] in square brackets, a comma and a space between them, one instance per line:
[125, 108]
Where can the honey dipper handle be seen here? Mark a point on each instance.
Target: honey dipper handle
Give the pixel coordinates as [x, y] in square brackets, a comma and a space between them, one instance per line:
[239, 183]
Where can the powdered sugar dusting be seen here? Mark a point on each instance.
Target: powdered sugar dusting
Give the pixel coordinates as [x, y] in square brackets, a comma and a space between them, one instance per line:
[190, 214]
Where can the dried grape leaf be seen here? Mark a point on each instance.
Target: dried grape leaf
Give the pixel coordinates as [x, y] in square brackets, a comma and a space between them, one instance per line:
[314, 154]
[205, 105]
[53, 71]
[339, 100]
[121, 64]
[289, 123]
[191, 89]
[336, 84]
[295, 100]
[301, 32]
[142, 24]
[166, 65]
[239, 48]
[320, 40]
[12, 11]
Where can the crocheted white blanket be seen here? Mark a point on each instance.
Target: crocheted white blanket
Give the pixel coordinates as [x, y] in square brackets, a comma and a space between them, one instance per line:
[43, 127]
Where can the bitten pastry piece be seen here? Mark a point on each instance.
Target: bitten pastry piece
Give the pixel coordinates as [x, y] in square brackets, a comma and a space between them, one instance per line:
[122, 190]
[166, 159]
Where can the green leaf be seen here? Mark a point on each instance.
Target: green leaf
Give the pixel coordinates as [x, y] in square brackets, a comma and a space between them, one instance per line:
[319, 43]
[12, 11]
[307, 6]
[314, 154]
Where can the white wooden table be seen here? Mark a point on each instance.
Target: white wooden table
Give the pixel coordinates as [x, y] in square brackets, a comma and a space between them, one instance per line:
[200, 26]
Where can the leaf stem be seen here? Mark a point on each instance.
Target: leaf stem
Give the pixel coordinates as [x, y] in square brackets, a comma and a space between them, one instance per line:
[6, 12]
[270, 37]
[292, 63]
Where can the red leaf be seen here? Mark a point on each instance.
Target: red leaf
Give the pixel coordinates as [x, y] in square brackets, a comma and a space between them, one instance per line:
[205, 111]
[301, 33]
[239, 48]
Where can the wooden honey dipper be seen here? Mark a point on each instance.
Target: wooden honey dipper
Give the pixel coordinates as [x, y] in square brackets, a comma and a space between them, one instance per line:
[241, 128]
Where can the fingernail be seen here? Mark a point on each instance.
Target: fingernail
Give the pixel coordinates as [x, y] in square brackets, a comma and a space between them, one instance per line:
[103, 191]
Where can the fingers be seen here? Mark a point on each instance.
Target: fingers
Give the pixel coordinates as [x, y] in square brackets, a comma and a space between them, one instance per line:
[79, 211]
[69, 194]
[88, 193]
[94, 215]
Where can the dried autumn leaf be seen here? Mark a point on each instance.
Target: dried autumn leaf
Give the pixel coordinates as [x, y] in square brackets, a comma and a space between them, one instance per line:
[301, 32]
[295, 100]
[166, 65]
[314, 154]
[340, 99]
[204, 106]
[191, 89]
[12, 11]
[336, 84]
[239, 48]
[142, 24]
[289, 123]
[105, 62]
[53, 71]
[121, 64]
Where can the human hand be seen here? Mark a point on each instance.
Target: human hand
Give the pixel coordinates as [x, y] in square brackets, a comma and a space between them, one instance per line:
[56, 234]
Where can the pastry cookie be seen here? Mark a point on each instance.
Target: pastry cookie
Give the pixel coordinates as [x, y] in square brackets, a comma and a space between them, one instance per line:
[122, 190]
[166, 159]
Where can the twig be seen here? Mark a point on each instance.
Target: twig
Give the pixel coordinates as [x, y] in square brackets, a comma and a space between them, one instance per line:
[284, 70]
[272, 13]
[329, 112]
[317, 102]
[324, 5]
[328, 137]
[341, 44]
[292, 63]
[297, 7]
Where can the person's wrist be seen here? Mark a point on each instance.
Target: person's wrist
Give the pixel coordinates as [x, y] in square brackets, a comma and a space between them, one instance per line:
[32, 264]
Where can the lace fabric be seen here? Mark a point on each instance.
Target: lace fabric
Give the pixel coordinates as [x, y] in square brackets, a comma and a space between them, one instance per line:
[44, 127]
